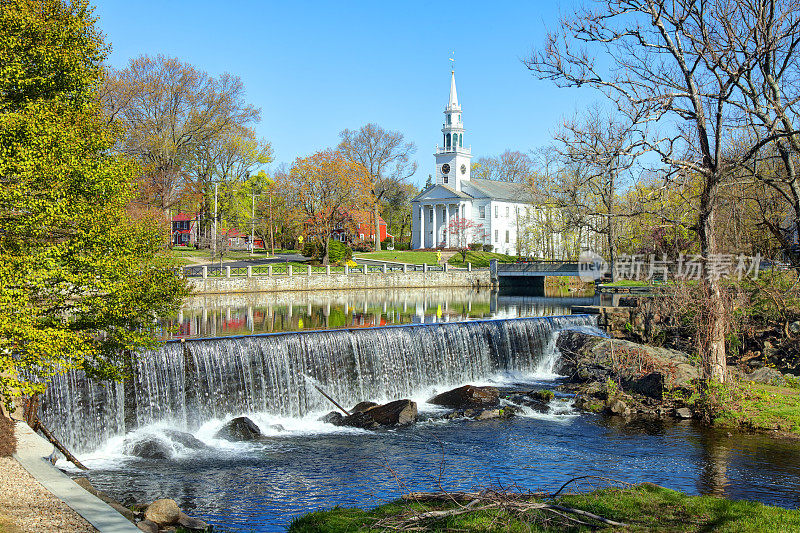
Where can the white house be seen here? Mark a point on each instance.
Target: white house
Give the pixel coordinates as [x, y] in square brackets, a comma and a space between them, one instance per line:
[457, 210]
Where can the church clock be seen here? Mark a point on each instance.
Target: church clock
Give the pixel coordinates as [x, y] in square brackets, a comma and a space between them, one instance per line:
[445, 169]
[463, 169]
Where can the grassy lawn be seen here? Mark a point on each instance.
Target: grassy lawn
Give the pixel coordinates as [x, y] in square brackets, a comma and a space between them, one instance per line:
[645, 507]
[757, 406]
[478, 259]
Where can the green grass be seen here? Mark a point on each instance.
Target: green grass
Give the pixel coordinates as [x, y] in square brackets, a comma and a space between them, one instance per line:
[189, 256]
[481, 259]
[630, 283]
[757, 406]
[478, 259]
[645, 507]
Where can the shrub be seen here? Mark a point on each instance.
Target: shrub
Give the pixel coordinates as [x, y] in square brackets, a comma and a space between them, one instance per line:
[362, 247]
[488, 247]
[338, 252]
[311, 248]
[476, 246]
[402, 246]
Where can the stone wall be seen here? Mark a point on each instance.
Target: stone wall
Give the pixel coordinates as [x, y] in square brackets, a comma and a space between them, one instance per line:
[310, 282]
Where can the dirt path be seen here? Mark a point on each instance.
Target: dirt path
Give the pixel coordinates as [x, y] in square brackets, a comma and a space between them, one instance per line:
[27, 506]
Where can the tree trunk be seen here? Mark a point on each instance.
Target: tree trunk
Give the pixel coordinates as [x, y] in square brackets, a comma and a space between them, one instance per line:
[326, 242]
[377, 228]
[711, 328]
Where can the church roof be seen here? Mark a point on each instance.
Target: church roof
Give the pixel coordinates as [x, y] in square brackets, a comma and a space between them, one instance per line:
[454, 193]
[500, 190]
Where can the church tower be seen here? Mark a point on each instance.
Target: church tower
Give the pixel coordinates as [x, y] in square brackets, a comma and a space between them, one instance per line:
[452, 159]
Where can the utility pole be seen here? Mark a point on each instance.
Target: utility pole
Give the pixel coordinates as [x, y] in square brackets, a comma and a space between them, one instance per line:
[271, 235]
[253, 226]
[214, 235]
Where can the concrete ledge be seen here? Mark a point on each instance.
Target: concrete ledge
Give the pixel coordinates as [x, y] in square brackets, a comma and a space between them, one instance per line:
[34, 453]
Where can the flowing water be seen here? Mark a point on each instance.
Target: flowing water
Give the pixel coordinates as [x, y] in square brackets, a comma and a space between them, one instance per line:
[303, 464]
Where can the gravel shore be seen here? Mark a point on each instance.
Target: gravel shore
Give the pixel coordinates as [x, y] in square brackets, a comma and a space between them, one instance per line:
[27, 506]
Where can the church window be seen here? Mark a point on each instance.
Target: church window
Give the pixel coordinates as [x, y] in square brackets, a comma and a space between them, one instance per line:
[482, 211]
[496, 238]
[445, 178]
[448, 140]
[506, 210]
[448, 119]
[461, 141]
[430, 217]
[496, 212]
[506, 236]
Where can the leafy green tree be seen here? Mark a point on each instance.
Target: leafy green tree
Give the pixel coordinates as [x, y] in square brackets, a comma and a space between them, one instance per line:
[81, 281]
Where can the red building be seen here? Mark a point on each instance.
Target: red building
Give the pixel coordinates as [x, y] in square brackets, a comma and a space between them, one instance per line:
[185, 229]
[359, 227]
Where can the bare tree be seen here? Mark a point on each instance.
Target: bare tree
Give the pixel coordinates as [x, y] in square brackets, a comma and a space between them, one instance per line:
[664, 62]
[387, 159]
[599, 151]
[167, 110]
[511, 166]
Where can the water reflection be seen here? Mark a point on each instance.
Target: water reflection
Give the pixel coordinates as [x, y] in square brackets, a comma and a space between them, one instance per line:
[242, 314]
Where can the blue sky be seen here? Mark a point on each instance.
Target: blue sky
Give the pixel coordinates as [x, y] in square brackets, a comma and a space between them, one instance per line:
[315, 68]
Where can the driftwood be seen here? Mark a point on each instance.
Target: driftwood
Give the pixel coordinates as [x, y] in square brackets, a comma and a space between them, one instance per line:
[521, 505]
[60, 447]
[334, 402]
[30, 415]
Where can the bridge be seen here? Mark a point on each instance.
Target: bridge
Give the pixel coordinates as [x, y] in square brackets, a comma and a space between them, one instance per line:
[530, 274]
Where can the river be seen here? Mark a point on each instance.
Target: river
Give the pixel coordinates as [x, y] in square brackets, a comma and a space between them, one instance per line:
[438, 339]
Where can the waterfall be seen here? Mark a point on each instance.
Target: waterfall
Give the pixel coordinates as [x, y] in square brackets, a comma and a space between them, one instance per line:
[188, 383]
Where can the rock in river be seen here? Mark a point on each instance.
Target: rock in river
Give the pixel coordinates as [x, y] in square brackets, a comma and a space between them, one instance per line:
[468, 396]
[149, 448]
[239, 429]
[163, 512]
[396, 413]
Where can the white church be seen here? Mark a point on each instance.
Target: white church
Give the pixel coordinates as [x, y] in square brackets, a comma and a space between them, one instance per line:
[457, 210]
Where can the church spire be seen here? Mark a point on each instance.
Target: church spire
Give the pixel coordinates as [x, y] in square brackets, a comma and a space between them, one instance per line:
[453, 94]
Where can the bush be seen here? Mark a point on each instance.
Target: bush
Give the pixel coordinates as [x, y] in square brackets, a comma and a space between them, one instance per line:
[338, 252]
[476, 246]
[362, 247]
[312, 248]
[488, 247]
[402, 246]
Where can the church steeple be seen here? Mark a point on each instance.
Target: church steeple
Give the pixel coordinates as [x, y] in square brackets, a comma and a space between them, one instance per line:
[452, 129]
[452, 159]
[453, 94]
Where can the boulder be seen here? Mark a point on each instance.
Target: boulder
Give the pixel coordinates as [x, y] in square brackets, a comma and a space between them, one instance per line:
[591, 358]
[334, 417]
[488, 414]
[617, 407]
[240, 428]
[277, 427]
[396, 413]
[683, 412]
[163, 512]
[192, 524]
[542, 395]
[360, 407]
[766, 375]
[186, 440]
[149, 448]
[147, 526]
[468, 396]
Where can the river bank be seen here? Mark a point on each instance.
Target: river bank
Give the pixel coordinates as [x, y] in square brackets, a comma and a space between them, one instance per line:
[623, 378]
[644, 507]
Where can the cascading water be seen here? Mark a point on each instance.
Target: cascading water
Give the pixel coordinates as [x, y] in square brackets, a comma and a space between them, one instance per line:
[186, 384]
